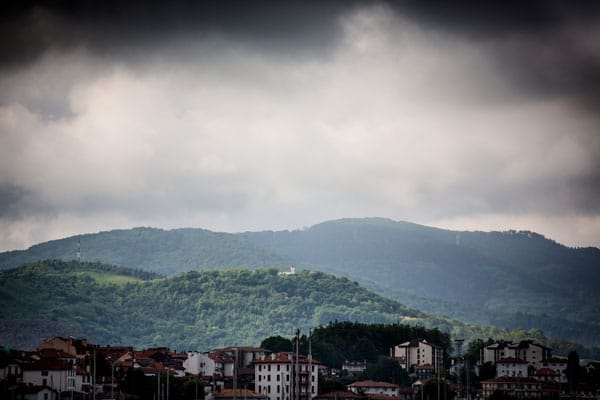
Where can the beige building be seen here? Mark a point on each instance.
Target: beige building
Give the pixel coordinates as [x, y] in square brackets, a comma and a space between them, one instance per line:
[526, 350]
[418, 352]
[280, 376]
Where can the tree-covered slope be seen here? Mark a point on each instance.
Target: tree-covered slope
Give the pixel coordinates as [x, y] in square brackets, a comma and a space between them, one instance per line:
[163, 251]
[510, 279]
[506, 279]
[193, 310]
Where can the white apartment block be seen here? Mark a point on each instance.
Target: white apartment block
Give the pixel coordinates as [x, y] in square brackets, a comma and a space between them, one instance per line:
[418, 352]
[280, 376]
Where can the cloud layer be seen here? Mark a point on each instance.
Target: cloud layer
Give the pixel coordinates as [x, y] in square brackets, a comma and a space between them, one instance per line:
[219, 122]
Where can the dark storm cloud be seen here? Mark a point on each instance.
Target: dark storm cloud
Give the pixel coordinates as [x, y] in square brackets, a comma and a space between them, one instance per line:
[272, 114]
[134, 29]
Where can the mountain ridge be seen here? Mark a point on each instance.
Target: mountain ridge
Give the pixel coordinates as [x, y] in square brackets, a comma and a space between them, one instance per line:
[512, 279]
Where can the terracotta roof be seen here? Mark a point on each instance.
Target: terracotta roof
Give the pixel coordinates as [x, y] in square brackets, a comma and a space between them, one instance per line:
[546, 372]
[240, 394]
[373, 384]
[511, 379]
[340, 395]
[50, 364]
[380, 396]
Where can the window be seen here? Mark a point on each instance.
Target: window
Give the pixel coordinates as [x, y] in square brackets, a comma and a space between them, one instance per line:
[44, 373]
[45, 396]
[260, 369]
[269, 389]
[269, 378]
[278, 377]
[278, 367]
[269, 367]
[278, 390]
[259, 379]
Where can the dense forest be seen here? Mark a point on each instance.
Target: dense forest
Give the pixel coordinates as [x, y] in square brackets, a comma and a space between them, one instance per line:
[201, 310]
[515, 280]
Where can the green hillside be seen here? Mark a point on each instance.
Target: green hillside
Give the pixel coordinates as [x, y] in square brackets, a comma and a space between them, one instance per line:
[516, 280]
[508, 279]
[193, 310]
[201, 310]
[166, 252]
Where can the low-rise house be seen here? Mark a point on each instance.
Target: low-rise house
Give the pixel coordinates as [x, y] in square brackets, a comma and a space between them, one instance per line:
[354, 367]
[374, 387]
[34, 392]
[424, 371]
[228, 394]
[52, 372]
[512, 387]
[341, 395]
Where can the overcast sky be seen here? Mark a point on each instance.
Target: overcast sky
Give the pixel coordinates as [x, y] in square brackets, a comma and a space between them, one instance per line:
[274, 115]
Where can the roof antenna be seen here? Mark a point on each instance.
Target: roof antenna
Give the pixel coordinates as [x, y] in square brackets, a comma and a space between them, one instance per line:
[78, 258]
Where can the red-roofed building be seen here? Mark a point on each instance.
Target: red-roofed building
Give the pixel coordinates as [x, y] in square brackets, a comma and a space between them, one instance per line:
[52, 372]
[227, 394]
[341, 395]
[374, 387]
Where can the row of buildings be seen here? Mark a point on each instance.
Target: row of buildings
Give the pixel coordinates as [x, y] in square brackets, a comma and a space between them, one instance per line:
[73, 368]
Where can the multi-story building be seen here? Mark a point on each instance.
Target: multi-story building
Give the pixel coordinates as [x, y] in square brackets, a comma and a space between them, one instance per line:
[282, 376]
[418, 352]
[533, 353]
[512, 367]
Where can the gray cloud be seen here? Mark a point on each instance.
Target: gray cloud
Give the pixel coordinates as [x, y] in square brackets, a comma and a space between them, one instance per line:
[247, 118]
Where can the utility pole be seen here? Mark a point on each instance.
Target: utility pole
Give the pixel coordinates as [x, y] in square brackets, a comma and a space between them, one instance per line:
[459, 343]
[297, 364]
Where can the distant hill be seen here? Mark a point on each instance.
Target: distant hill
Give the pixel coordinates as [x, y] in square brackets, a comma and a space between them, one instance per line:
[189, 311]
[165, 252]
[510, 279]
[507, 279]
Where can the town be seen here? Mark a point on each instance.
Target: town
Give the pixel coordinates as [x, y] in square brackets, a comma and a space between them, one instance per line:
[73, 368]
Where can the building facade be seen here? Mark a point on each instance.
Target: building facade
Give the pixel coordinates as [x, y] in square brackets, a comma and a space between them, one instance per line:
[418, 352]
[282, 376]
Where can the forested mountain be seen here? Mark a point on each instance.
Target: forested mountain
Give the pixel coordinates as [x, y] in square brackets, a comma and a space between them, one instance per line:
[507, 279]
[510, 279]
[165, 252]
[188, 311]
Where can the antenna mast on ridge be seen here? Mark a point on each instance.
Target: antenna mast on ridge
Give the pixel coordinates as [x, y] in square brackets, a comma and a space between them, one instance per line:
[78, 258]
